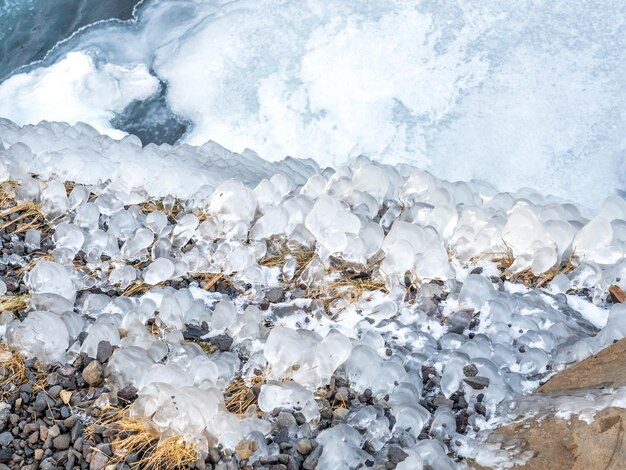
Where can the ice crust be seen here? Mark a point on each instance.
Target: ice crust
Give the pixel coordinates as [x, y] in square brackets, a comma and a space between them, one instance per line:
[433, 84]
[418, 229]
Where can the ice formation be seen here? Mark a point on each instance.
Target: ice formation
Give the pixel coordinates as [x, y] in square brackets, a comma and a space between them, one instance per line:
[141, 219]
[437, 84]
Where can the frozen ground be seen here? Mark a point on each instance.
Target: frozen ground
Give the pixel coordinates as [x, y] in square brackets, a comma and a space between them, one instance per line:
[392, 316]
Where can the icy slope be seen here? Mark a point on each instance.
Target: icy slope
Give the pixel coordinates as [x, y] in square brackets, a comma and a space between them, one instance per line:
[529, 94]
[435, 303]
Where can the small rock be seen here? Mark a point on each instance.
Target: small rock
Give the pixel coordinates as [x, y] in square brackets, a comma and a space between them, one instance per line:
[104, 351]
[54, 391]
[128, 393]
[480, 409]
[5, 411]
[440, 400]
[300, 418]
[246, 448]
[285, 420]
[98, 461]
[54, 431]
[274, 295]
[222, 342]
[38, 454]
[214, 455]
[5, 455]
[470, 370]
[311, 461]
[66, 396]
[396, 455]
[61, 442]
[48, 464]
[304, 446]
[5, 439]
[477, 383]
[93, 373]
[617, 294]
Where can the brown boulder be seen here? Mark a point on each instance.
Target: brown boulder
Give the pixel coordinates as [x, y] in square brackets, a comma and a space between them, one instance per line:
[560, 444]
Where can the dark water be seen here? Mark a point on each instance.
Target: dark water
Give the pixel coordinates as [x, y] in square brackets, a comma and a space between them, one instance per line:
[30, 28]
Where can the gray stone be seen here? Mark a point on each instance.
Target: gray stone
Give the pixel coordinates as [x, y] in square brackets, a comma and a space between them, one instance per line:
[274, 294]
[311, 461]
[477, 383]
[396, 455]
[285, 420]
[61, 442]
[104, 351]
[222, 342]
[6, 438]
[214, 455]
[54, 431]
[5, 455]
[48, 464]
[470, 370]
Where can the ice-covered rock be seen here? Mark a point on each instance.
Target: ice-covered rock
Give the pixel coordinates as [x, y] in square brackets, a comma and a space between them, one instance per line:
[288, 395]
[41, 335]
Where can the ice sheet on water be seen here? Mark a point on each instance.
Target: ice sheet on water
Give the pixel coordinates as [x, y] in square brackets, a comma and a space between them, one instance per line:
[290, 104]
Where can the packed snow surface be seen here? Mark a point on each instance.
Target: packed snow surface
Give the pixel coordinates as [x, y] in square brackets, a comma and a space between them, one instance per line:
[445, 314]
[529, 94]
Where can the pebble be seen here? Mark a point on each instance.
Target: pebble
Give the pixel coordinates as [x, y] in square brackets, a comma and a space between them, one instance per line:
[480, 409]
[311, 461]
[274, 295]
[5, 455]
[304, 446]
[285, 420]
[93, 373]
[6, 438]
[477, 383]
[61, 442]
[396, 455]
[222, 342]
[470, 370]
[98, 461]
[104, 351]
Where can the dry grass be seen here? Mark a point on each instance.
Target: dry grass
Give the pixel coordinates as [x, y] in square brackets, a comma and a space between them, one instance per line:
[14, 303]
[208, 280]
[171, 210]
[529, 279]
[352, 280]
[139, 288]
[206, 347]
[279, 253]
[239, 396]
[505, 259]
[28, 214]
[138, 435]
[12, 363]
[348, 290]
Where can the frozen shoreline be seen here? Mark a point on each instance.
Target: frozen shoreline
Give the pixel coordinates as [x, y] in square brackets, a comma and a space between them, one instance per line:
[389, 310]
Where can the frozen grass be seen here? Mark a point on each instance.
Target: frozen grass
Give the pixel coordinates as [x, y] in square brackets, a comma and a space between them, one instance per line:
[13, 371]
[14, 303]
[137, 435]
[239, 396]
[23, 216]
